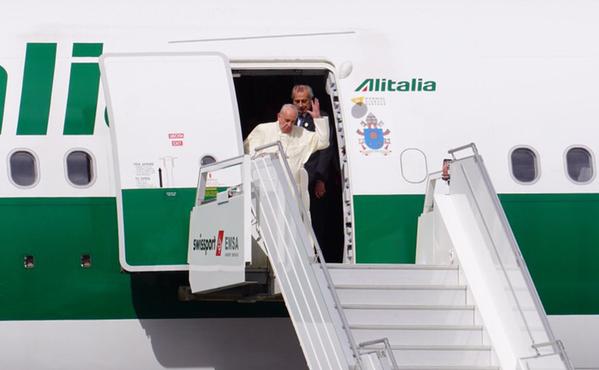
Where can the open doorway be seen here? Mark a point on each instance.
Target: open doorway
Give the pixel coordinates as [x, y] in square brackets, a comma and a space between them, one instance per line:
[260, 95]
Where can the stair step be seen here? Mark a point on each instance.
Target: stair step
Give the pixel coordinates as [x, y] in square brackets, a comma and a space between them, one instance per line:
[422, 310]
[393, 274]
[364, 314]
[413, 294]
[420, 334]
[448, 367]
[443, 355]
[389, 266]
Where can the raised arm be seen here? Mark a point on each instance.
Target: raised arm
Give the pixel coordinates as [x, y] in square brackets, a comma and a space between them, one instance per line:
[321, 126]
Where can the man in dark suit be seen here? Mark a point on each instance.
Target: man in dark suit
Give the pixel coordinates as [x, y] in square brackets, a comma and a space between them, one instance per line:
[317, 166]
[321, 172]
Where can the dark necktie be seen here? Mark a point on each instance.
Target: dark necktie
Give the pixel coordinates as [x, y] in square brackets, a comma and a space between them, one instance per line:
[302, 120]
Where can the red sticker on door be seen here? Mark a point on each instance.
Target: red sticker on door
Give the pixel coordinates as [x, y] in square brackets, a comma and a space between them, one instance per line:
[219, 242]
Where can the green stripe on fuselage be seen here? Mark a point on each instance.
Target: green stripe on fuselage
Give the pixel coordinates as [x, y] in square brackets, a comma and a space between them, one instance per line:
[559, 239]
[385, 227]
[557, 234]
[56, 232]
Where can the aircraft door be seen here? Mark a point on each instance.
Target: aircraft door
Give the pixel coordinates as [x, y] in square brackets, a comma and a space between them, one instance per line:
[167, 112]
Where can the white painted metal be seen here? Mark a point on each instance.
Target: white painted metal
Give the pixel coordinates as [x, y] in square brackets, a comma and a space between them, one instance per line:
[426, 321]
[429, 325]
[152, 344]
[290, 251]
[441, 367]
[415, 325]
[219, 231]
[212, 264]
[571, 329]
[402, 294]
[469, 222]
[457, 356]
[428, 234]
[394, 274]
[406, 314]
[421, 334]
[306, 284]
[283, 224]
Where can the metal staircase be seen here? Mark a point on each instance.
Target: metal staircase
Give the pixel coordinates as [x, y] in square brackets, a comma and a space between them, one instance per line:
[468, 304]
[317, 314]
[423, 310]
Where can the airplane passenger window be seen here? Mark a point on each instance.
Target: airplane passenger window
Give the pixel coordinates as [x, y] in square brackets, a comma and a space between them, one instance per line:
[579, 165]
[23, 169]
[79, 166]
[524, 165]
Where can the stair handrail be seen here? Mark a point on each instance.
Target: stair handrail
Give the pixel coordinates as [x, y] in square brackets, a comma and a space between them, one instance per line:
[319, 258]
[557, 345]
[387, 350]
[324, 345]
[281, 156]
[429, 196]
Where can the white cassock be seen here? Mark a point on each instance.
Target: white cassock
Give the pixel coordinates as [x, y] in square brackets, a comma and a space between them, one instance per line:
[299, 144]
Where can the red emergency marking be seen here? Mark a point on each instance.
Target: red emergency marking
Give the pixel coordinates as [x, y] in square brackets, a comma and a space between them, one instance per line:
[177, 143]
[219, 242]
[176, 135]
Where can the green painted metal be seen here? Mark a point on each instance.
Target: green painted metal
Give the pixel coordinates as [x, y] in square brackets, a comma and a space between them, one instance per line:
[56, 232]
[559, 239]
[385, 227]
[557, 235]
[36, 94]
[84, 49]
[157, 225]
[3, 84]
[84, 83]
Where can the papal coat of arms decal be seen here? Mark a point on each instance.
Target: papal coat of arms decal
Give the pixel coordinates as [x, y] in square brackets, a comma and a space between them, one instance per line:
[372, 136]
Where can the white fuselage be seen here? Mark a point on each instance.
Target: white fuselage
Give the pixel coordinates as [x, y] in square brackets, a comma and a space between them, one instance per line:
[506, 74]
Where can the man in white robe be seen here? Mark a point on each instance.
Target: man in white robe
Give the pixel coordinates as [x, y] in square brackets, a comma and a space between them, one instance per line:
[298, 143]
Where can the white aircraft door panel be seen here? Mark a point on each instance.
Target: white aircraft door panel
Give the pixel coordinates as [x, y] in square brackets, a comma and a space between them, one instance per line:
[166, 111]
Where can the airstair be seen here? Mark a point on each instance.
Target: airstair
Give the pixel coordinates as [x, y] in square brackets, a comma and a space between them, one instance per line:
[468, 303]
[423, 310]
